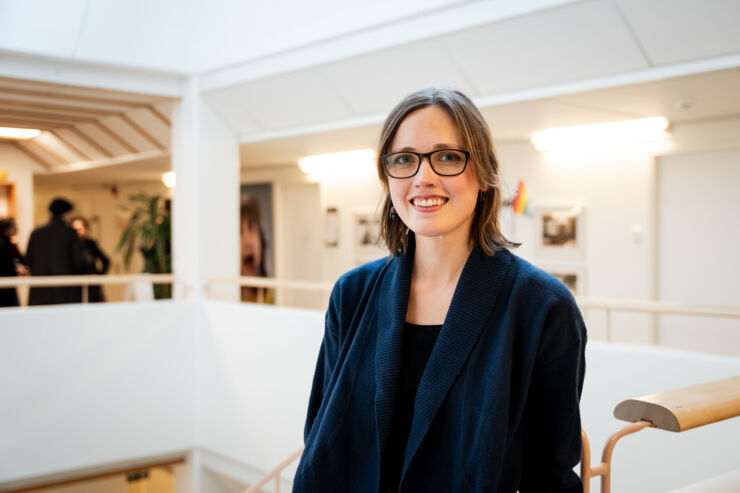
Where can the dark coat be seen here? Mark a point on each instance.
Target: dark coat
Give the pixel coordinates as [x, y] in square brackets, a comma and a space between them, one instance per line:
[497, 407]
[8, 296]
[96, 262]
[54, 249]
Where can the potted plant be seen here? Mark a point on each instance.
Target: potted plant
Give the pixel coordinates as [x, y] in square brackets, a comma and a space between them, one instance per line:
[148, 231]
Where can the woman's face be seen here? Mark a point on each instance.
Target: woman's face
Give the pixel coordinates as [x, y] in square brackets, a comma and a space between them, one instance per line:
[431, 205]
[251, 246]
[79, 226]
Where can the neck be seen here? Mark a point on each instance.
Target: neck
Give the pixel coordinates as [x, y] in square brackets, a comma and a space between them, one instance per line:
[440, 260]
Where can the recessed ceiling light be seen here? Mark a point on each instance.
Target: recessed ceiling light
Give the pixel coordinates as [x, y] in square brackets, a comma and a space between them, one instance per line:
[600, 134]
[18, 133]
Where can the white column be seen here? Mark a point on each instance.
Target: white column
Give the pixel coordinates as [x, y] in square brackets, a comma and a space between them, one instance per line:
[205, 205]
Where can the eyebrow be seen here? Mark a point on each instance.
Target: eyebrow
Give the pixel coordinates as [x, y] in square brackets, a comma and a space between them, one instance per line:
[436, 147]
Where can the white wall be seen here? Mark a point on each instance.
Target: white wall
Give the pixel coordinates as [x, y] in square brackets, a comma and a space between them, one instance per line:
[205, 217]
[617, 186]
[699, 241]
[84, 386]
[256, 368]
[20, 172]
[87, 386]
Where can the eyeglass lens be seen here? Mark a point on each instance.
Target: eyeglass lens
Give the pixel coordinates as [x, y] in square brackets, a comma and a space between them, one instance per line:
[445, 162]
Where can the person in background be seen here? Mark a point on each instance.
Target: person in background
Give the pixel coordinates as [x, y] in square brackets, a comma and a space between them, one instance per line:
[96, 262]
[253, 246]
[11, 261]
[54, 249]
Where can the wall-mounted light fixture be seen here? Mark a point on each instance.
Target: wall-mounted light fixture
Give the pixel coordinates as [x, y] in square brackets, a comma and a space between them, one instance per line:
[169, 179]
[600, 135]
[349, 164]
[18, 133]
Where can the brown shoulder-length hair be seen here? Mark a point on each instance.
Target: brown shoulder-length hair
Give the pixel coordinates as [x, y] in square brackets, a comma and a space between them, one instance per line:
[485, 230]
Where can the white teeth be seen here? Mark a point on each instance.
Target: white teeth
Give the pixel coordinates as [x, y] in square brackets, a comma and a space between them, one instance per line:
[428, 202]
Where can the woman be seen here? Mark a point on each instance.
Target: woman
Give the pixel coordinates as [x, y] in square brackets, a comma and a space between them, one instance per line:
[453, 365]
[253, 250]
[11, 261]
[96, 261]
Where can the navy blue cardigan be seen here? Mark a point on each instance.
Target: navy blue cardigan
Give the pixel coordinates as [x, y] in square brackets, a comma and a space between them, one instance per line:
[497, 406]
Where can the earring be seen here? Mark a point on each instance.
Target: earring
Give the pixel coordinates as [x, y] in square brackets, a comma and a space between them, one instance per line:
[393, 213]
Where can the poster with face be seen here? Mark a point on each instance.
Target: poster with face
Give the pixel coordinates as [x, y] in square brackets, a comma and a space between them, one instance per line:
[256, 230]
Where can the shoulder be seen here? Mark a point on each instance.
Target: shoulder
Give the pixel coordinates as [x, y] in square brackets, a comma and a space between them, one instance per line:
[355, 287]
[529, 280]
[549, 307]
[362, 277]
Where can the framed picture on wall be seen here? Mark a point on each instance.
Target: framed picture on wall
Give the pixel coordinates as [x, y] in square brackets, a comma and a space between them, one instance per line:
[366, 234]
[572, 275]
[560, 232]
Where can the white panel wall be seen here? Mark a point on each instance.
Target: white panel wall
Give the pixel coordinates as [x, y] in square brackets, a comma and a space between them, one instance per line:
[256, 369]
[699, 241]
[86, 386]
[205, 217]
[83, 386]
[20, 170]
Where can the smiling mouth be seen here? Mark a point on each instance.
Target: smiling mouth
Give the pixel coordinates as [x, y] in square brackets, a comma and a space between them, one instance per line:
[429, 202]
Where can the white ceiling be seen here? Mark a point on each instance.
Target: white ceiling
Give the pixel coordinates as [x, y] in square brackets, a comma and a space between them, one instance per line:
[569, 43]
[506, 65]
[712, 95]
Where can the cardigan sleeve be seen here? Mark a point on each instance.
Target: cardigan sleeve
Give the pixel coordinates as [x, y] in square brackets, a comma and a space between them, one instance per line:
[552, 422]
[327, 358]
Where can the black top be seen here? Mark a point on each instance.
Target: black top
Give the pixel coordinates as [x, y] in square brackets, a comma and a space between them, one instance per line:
[417, 345]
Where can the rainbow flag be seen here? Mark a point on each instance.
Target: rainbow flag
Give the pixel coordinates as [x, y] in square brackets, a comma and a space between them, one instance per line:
[521, 201]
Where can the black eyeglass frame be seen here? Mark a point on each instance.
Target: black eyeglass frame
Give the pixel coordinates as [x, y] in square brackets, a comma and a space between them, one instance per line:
[421, 155]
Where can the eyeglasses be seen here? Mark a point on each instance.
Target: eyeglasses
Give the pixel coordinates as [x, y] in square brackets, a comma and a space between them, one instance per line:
[444, 162]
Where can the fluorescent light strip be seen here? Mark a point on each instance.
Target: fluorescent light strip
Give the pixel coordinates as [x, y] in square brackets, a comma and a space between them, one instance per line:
[344, 164]
[18, 133]
[600, 134]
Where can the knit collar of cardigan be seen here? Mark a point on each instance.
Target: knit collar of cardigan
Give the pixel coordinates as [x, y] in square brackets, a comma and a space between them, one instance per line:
[475, 296]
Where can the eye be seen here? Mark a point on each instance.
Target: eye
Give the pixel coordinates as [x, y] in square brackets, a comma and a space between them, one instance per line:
[401, 159]
[450, 156]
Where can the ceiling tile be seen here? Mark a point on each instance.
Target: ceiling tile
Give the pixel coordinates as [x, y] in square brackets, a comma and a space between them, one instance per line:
[376, 82]
[519, 120]
[693, 97]
[292, 100]
[678, 30]
[577, 41]
[37, 26]
[228, 105]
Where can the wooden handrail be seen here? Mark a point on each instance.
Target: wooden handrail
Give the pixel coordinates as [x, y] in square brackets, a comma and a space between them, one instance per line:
[685, 408]
[275, 473]
[673, 410]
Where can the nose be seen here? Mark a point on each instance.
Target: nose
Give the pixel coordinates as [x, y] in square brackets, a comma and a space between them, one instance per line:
[426, 174]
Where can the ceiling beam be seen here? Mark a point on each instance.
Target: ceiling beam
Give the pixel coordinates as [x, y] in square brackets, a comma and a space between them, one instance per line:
[45, 115]
[30, 123]
[113, 135]
[159, 115]
[70, 97]
[32, 155]
[102, 150]
[69, 145]
[149, 137]
[34, 143]
[17, 103]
